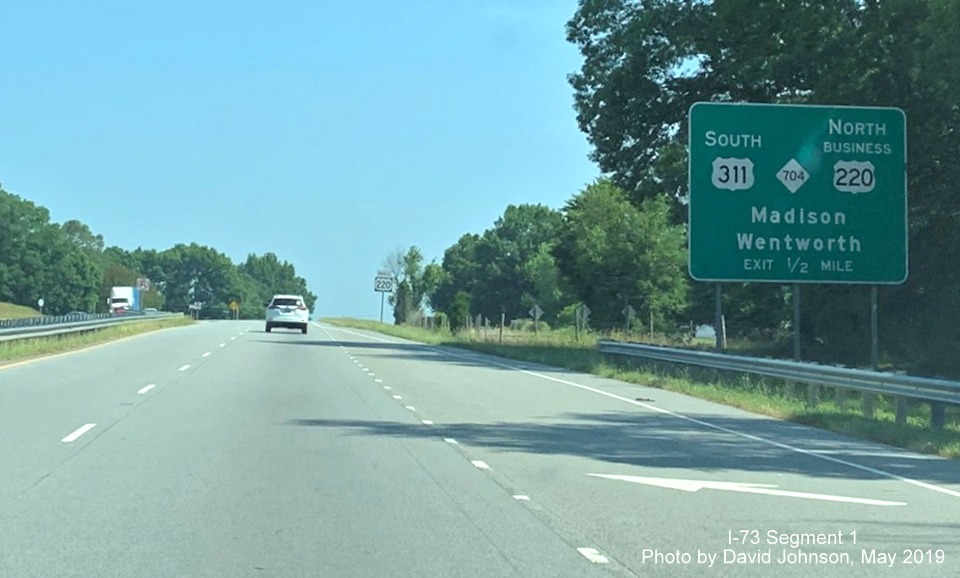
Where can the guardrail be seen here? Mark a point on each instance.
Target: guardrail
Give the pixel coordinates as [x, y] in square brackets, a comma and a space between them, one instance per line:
[938, 392]
[31, 327]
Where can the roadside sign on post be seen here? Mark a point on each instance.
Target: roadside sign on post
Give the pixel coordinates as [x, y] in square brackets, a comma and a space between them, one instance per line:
[536, 312]
[234, 305]
[143, 284]
[383, 284]
[797, 193]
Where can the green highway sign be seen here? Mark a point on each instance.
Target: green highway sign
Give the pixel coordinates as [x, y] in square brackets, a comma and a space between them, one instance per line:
[797, 193]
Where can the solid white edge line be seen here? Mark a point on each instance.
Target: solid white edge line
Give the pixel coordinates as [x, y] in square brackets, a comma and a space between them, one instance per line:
[480, 464]
[811, 453]
[78, 432]
[144, 390]
[184, 367]
[593, 555]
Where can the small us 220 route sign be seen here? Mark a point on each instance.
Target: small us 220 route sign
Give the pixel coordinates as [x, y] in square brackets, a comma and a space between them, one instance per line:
[383, 282]
[797, 193]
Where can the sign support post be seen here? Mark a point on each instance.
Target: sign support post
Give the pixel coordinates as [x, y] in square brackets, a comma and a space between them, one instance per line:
[718, 315]
[383, 283]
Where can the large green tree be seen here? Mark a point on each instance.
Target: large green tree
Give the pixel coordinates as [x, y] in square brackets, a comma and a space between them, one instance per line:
[38, 259]
[614, 254]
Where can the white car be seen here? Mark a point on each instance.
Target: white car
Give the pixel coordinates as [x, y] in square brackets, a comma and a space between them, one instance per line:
[288, 311]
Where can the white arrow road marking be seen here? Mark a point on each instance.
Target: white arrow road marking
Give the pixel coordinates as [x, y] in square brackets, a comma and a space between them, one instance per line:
[79, 432]
[593, 555]
[766, 489]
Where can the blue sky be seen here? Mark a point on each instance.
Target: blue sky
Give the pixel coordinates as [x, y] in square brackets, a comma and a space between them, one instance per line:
[328, 133]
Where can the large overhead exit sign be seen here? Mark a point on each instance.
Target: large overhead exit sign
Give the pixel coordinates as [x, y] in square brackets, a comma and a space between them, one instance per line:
[797, 193]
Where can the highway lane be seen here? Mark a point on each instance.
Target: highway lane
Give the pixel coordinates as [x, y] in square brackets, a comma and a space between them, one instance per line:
[222, 470]
[44, 401]
[548, 434]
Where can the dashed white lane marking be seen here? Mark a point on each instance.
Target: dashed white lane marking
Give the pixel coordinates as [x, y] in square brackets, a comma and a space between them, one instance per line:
[702, 423]
[144, 390]
[387, 387]
[378, 380]
[410, 407]
[79, 432]
[397, 397]
[522, 498]
[480, 464]
[241, 333]
[223, 345]
[451, 441]
[365, 370]
[207, 354]
[593, 555]
[232, 338]
[426, 422]
[184, 367]
[372, 374]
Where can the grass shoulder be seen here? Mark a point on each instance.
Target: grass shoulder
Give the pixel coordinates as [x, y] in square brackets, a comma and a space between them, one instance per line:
[29, 348]
[13, 311]
[786, 401]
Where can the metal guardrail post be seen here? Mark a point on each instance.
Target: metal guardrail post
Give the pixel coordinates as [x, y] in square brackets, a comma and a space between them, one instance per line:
[869, 405]
[901, 417]
[938, 415]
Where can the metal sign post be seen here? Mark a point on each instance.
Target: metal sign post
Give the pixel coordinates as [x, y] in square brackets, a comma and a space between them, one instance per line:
[383, 284]
[536, 312]
[143, 284]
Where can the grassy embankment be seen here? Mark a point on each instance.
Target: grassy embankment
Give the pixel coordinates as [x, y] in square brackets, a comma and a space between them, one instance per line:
[786, 401]
[21, 349]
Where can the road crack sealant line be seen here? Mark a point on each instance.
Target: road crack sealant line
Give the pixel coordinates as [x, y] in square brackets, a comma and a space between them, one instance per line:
[660, 410]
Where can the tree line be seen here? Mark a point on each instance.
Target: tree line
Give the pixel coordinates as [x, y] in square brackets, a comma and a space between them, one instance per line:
[622, 240]
[71, 269]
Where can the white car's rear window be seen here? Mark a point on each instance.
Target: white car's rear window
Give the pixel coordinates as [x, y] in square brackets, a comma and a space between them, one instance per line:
[286, 302]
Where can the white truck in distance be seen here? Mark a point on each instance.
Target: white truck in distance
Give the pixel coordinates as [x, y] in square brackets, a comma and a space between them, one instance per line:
[122, 299]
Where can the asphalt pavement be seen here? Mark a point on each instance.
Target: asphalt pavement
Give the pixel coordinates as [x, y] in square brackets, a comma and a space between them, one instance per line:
[220, 450]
